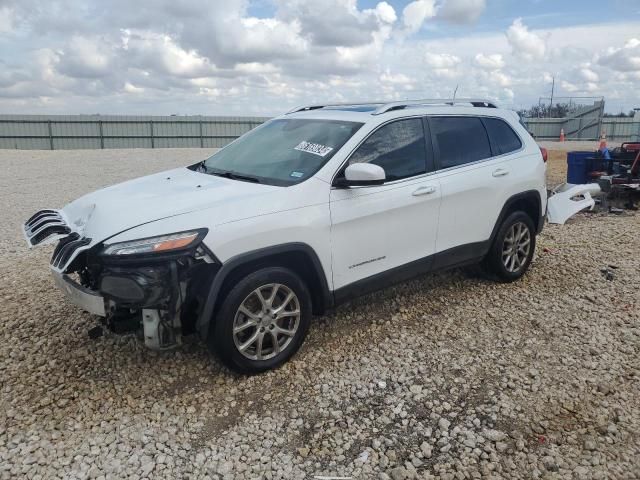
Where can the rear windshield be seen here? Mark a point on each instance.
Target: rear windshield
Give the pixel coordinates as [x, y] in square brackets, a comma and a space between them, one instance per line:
[282, 151]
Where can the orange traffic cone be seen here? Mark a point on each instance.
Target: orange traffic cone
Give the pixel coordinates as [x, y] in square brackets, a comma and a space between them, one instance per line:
[562, 134]
[603, 141]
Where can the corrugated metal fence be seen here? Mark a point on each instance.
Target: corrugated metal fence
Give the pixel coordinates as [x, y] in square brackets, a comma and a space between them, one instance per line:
[585, 128]
[64, 132]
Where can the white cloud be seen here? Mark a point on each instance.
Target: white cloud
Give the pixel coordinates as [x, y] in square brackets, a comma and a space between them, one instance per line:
[441, 60]
[442, 65]
[489, 62]
[625, 59]
[130, 88]
[500, 79]
[395, 79]
[335, 22]
[153, 51]
[385, 13]
[256, 68]
[217, 56]
[589, 75]
[416, 12]
[508, 94]
[6, 19]
[591, 87]
[262, 37]
[87, 57]
[524, 43]
[569, 87]
[461, 11]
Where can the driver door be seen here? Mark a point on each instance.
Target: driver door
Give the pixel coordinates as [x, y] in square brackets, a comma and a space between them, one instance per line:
[386, 232]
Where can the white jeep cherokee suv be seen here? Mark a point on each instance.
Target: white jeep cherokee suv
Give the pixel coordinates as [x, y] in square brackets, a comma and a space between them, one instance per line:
[297, 216]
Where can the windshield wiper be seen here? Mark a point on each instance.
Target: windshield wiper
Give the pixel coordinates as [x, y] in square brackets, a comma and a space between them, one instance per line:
[231, 175]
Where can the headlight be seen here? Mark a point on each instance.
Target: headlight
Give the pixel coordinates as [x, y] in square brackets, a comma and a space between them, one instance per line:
[160, 244]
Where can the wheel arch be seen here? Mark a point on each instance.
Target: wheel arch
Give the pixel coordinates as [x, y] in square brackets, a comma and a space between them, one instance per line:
[529, 202]
[298, 257]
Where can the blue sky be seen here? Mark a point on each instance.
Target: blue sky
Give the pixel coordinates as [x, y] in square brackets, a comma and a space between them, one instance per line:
[500, 13]
[264, 56]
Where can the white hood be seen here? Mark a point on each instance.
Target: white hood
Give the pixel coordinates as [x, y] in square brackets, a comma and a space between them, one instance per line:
[107, 212]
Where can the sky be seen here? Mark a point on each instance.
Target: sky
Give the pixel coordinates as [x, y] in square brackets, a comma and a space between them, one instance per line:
[263, 57]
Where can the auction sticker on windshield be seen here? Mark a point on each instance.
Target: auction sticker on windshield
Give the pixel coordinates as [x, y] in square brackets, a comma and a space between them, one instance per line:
[313, 148]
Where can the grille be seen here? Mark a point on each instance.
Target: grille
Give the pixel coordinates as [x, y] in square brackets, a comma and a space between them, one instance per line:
[66, 248]
[49, 225]
[43, 225]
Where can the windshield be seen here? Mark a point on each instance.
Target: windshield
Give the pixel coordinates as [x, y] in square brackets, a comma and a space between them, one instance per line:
[282, 151]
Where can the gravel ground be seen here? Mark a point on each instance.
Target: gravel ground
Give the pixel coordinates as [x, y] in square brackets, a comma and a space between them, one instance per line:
[448, 376]
[578, 145]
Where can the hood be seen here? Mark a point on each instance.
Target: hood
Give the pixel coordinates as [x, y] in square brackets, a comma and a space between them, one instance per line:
[107, 212]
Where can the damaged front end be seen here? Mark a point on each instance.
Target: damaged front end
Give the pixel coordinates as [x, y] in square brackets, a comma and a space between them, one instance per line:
[155, 286]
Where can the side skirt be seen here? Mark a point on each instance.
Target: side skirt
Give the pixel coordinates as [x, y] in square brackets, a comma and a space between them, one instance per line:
[453, 257]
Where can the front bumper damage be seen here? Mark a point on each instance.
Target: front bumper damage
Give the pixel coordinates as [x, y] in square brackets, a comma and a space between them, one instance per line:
[158, 296]
[84, 298]
[568, 199]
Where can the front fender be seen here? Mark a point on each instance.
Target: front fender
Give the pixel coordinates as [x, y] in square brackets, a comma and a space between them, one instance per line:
[255, 257]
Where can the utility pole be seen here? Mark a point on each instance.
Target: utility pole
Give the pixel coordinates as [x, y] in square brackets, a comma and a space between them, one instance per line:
[553, 85]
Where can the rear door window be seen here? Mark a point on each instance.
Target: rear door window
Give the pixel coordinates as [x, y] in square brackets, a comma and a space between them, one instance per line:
[503, 138]
[460, 140]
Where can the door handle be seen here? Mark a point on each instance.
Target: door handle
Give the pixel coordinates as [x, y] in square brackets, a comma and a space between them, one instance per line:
[500, 172]
[424, 190]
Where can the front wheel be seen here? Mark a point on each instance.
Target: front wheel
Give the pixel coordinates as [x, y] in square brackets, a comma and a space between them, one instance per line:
[512, 249]
[262, 322]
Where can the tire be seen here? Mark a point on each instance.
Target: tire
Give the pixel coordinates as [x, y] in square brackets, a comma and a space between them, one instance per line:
[264, 336]
[505, 263]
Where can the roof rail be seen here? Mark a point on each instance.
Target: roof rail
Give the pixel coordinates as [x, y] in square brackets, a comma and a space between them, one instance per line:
[389, 106]
[304, 108]
[475, 102]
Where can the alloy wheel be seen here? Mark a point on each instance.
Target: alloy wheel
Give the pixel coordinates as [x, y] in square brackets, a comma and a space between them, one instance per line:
[516, 247]
[266, 321]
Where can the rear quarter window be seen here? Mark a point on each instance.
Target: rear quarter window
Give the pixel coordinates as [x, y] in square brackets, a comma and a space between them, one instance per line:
[503, 138]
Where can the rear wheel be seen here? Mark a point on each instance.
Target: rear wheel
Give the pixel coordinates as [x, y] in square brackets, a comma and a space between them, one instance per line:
[512, 248]
[262, 322]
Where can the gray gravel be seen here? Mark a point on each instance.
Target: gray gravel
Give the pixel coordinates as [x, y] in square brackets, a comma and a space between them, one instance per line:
[448, 376]
[578, 145]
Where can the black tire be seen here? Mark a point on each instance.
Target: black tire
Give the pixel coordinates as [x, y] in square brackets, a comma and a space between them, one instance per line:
[222, 340]
[493, 262]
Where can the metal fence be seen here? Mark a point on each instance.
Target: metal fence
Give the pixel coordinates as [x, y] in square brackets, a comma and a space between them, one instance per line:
[585, 128]
[65, 132]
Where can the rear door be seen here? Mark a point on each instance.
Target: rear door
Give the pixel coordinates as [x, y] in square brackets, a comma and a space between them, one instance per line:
[377, 228]
[475, 180]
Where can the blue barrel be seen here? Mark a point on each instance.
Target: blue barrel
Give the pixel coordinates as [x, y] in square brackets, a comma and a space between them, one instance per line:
[579, 164]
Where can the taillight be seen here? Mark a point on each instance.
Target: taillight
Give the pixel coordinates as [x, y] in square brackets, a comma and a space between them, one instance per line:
[545, 155]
